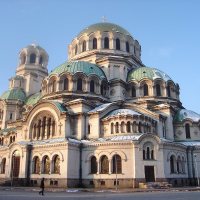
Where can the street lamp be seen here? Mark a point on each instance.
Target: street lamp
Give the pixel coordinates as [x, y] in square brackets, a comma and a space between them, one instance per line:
[197, 175]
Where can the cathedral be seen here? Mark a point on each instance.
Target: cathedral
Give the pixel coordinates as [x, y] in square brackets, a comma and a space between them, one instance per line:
[100, 119]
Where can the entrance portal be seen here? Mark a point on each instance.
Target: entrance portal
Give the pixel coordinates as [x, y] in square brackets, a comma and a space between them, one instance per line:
[15, 164]
[149, 173]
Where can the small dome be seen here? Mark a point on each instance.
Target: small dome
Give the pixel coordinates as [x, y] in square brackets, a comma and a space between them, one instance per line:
[14, 94]
[73, 67]
[184, 114]
[104, 27]
[35, 46]
[33, 99]
[121, 112]
[147, 72]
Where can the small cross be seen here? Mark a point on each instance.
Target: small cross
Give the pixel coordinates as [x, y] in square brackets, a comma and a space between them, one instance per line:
[60, 125]
[103, 18]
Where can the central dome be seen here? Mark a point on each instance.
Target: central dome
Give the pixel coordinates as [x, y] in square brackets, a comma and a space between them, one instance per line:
[104, 27]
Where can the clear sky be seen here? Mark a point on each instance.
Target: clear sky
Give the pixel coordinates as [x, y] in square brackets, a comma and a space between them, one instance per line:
[168, 31]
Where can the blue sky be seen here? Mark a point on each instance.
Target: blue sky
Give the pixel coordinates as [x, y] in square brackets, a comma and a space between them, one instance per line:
[168, 31]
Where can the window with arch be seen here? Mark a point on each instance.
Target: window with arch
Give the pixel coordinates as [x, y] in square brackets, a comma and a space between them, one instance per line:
[172, 163]
[112, 128]
[46, 165]
[94, 44]
[168, 91]
[93, 167]
[53, 86]
[148, 151]
[134, 127]
[128, 127]
[103, 89]
[187, 131]
[92, 86]
[116, 164]
[122, 127]
[106, 43]
[65, 84]
[146, 90]
[179, 165]
[127, 47]
[76, 49]
[1, 141]
[41, 124]
[3, 166]
[117, 127]
[140, 127]
[41, 60]
[118, 44]
[158, 90]
[79, 84]
[84, 46]
[32, 58]
[133, 91]
[36, 165]
[104, 163]
[183, 164]
[56, 164]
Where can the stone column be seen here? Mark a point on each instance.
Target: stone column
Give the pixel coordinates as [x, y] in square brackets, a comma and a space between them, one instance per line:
[110, 166]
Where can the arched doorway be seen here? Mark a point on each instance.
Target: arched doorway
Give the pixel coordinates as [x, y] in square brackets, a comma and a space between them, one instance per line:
[15, 164]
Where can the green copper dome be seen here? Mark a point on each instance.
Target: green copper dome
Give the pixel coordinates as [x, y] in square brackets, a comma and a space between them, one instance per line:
[73, 67]
[14, 94]
[184, 114]
[147, 72]
[33, 99]
[104, 27]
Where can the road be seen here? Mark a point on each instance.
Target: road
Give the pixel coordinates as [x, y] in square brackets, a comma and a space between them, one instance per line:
[33, 195]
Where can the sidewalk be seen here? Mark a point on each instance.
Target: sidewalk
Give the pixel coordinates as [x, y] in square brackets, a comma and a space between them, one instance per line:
[74, 190]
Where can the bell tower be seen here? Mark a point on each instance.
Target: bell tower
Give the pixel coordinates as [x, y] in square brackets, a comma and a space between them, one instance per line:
[32, 69]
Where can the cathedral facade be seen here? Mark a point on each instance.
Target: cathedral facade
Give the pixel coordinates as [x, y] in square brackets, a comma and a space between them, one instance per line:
[100, 119]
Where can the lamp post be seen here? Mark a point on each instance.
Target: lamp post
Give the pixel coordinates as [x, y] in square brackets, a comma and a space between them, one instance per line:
[197, 175]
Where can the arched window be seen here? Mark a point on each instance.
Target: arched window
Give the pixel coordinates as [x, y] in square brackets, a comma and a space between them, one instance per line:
[76, 49]
[133, 92]
[56, 164]
[46, 165]
[158, 90]
[183, 164]
[32, 58]
[128, 127]
[116, 164]
[3, 166]
[43, 126]
[11, 139]
[84, 46]
[117, 127]
[178, 163]
[92, 87]
[127, 47]
[93, 165]
[36, 165]
[134, 127]
[112, 128]
[148, 151]
[94, 43]
[123, 127]
[140, 127]
[49, 128]
[146, 90]
[187, 131]
[117, 44]
[66, 84]
[104, 165]
[39, 129]
[54, 86]
[172, 162]
[106, 43]
[168, 91]
[79, 84]
[41, 60]
[53, 128]
[34, 131]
